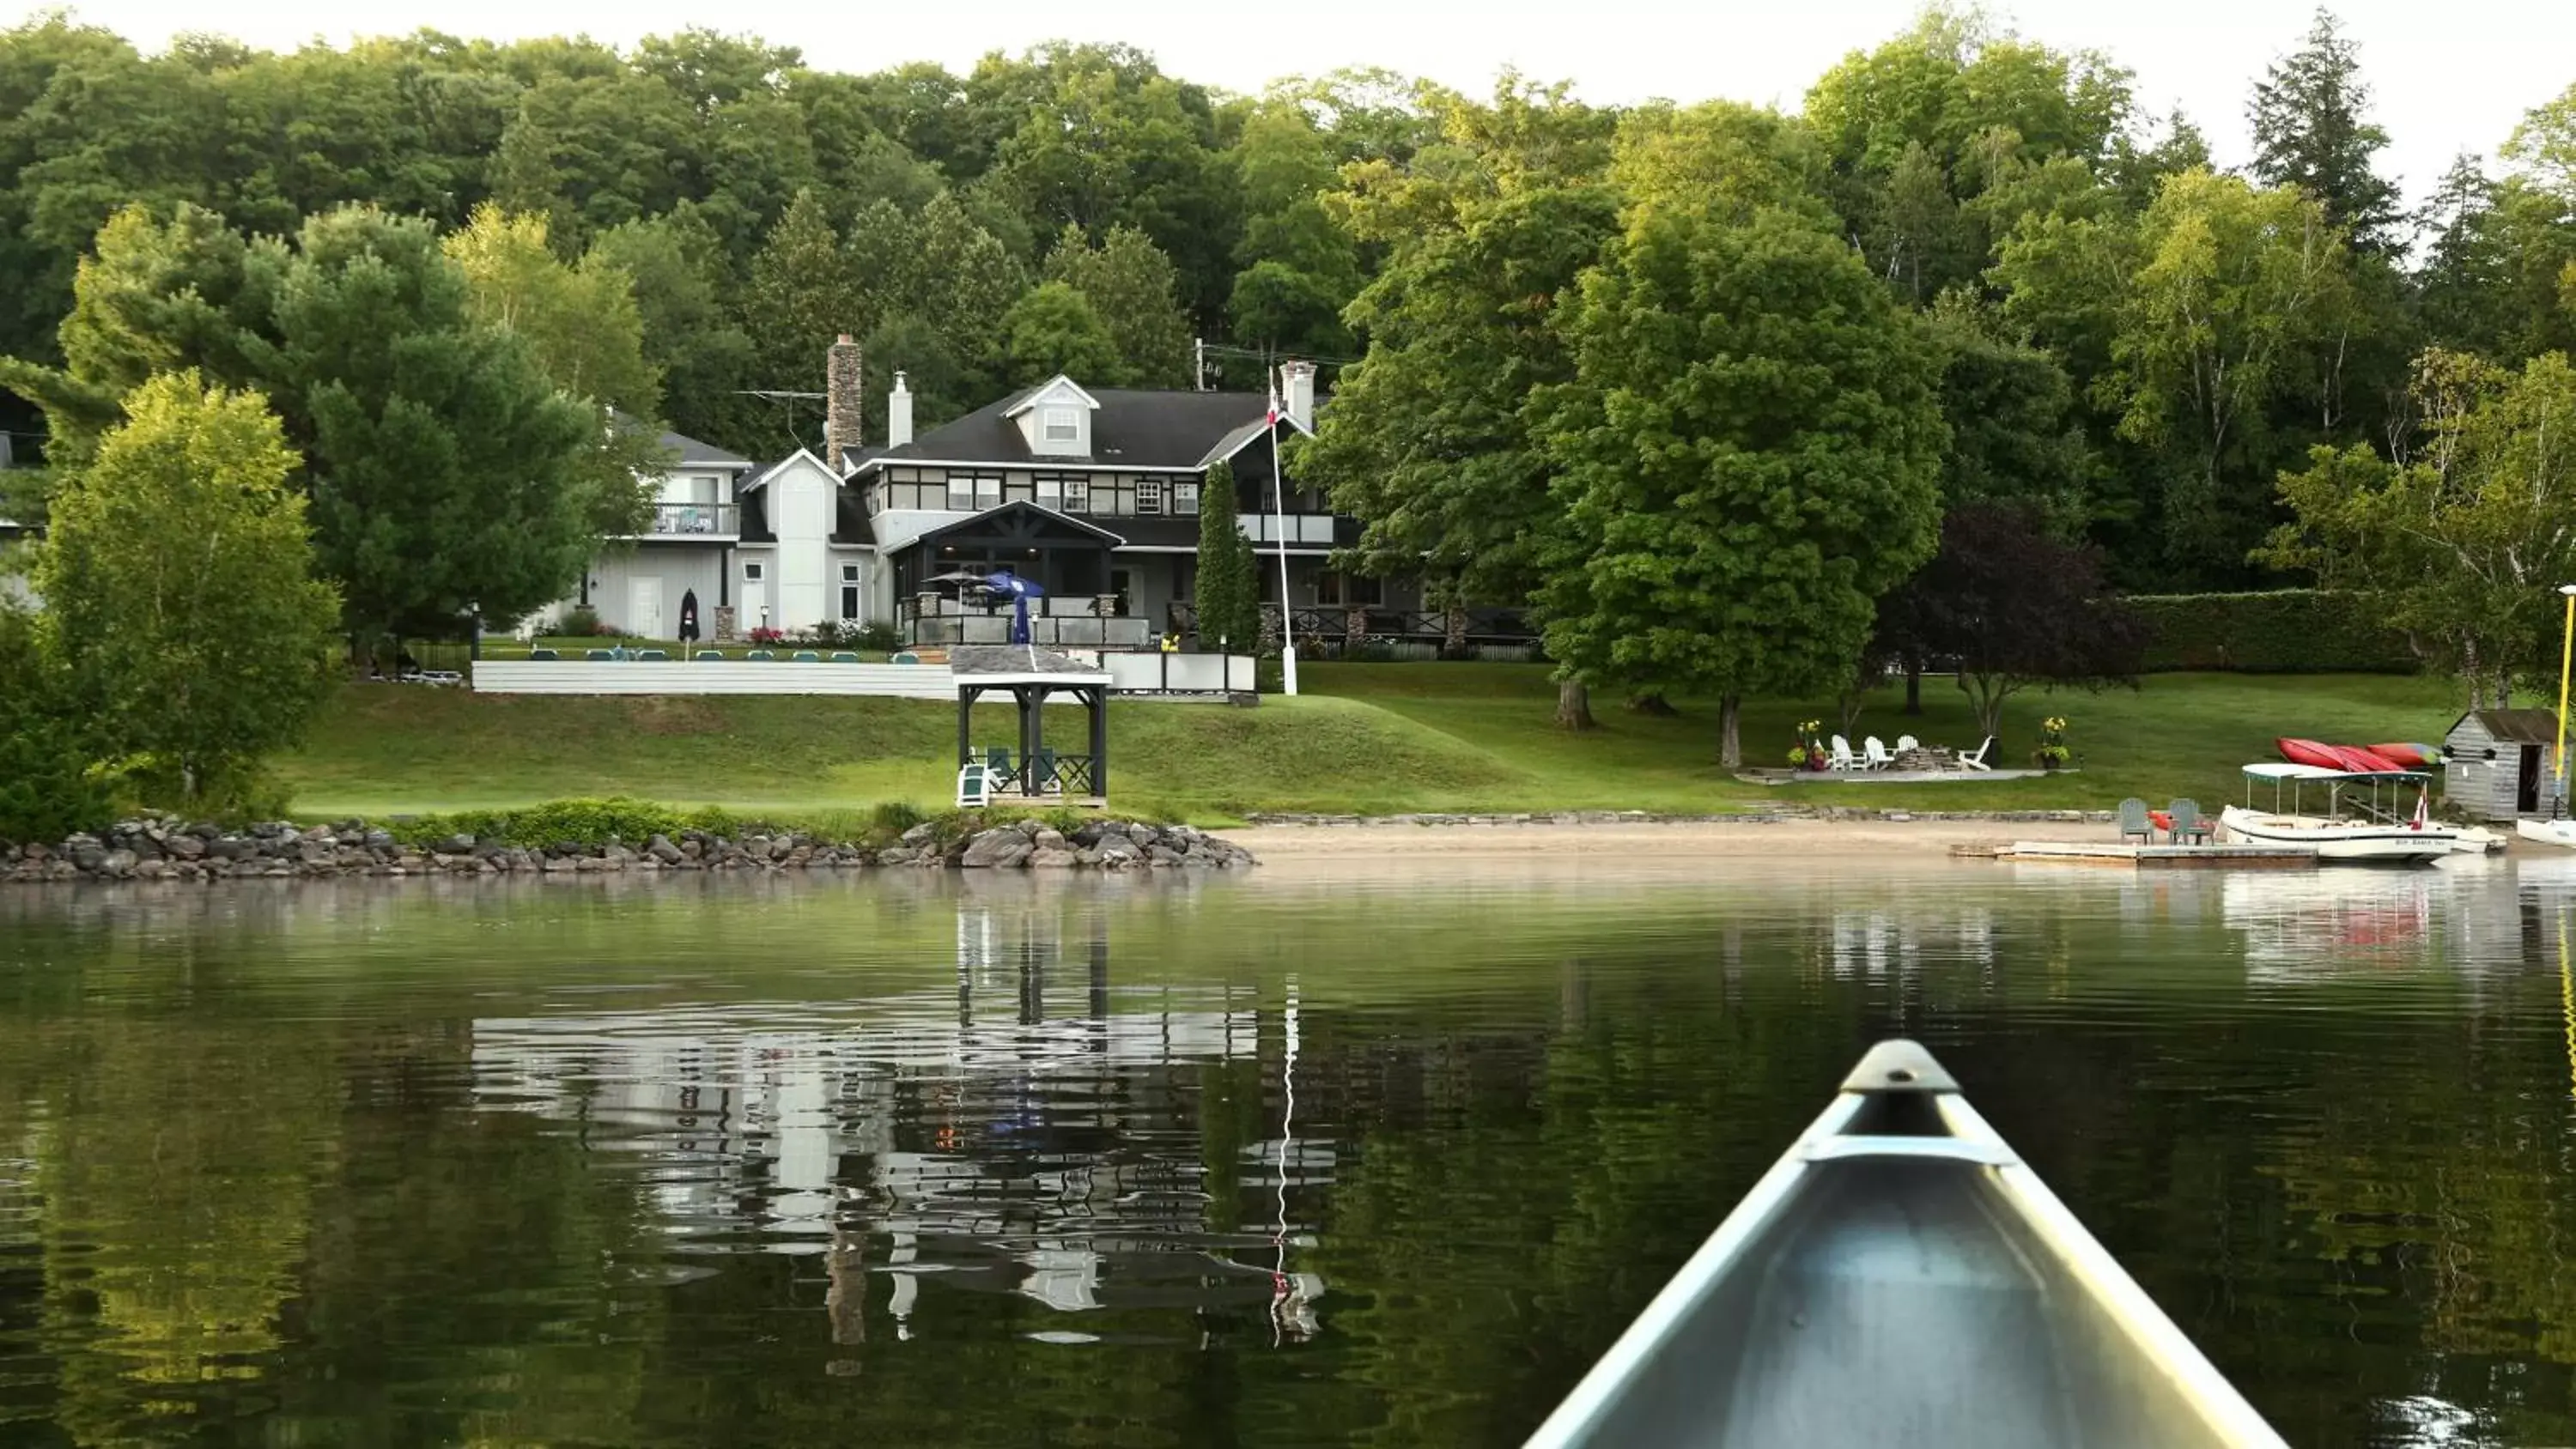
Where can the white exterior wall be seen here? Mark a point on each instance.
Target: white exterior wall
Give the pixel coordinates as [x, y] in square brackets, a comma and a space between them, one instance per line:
[672, 570]
[804, 583]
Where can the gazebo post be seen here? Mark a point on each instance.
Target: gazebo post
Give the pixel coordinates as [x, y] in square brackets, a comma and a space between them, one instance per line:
[1032, 733]
[1096, 699]
[965, 732]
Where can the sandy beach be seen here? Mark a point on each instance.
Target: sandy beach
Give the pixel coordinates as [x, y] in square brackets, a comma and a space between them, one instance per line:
[1856, 841]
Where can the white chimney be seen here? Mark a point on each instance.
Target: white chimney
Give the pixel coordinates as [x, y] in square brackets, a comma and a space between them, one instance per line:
[1297, 393]
[898, 414]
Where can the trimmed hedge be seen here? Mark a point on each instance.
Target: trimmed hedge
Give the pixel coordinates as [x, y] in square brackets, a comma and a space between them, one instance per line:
[2289, 631]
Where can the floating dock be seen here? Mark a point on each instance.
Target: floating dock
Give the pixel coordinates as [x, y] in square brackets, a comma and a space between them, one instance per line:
[2161, 857]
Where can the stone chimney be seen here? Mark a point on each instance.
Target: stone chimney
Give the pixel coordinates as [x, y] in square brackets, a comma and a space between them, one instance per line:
[841, 402]
[898, 413]
[1297, 393]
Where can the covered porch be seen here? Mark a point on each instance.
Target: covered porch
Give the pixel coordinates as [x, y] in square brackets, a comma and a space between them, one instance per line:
[1066, 557]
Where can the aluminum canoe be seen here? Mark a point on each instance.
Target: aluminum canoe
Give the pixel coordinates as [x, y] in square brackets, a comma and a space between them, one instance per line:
[1902, 1277]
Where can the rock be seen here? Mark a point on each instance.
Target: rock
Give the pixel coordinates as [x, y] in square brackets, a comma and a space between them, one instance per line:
[919, 835]
[1049, 839]
[1051, 857]
[897, 855]
[151, 870]
[1162, 855]
[456, 845]
[1117, 850]
[88, 858]
[313, 851]
[661, 849]
[186, 847]
[995, 848]
[380, 840]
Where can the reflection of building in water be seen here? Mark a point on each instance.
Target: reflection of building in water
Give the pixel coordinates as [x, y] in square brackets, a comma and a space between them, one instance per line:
[1011, 1133]
[1879, 940]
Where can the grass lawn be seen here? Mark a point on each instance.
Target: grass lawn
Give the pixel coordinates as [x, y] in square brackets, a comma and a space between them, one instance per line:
[1366, 738]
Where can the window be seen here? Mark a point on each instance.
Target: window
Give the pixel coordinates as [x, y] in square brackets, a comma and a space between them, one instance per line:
[1149, 495]
[876, 500]
[1018, 489]
[961, 494]
[849, 573]
[1185, 498]
[849, 591]
[988, 493]
[1061, 426]
[1077, 494]
[751, 573]
[1050, 488]
[1353, 590]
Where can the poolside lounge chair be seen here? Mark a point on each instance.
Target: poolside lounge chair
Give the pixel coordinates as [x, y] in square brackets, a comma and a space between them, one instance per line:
[2134, 822]
[906, 657]
[1842, 757]
[599, 654]
[1977, 760]
[1874, 753]
[537, 654]
[714, 654]
[806, 656]
[656, 656]
[762, 655]
[844, 656]
[2189, 826]
[973, 787]
[997, 764]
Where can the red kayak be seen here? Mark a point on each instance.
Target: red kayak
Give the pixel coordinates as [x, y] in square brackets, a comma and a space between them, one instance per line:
[2352, 759]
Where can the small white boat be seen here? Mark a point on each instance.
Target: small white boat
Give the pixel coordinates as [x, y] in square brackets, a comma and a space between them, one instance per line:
[1902, 1277]
[2547, 832]
[2373, 836]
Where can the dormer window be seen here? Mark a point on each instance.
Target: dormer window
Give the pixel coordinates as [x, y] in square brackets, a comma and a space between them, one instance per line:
[1062, 425]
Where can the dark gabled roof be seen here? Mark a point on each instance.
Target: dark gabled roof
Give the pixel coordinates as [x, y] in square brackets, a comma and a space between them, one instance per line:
[2515, 726]
[687, 451]
[1133, 428]
[1018, 519]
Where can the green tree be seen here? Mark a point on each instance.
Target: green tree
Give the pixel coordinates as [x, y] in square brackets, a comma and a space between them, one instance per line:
[1427, 441]
[49, 783]
[1298, 270]
[583, 321]
[1053, 329]
[1135, 289]
[1749, 455]
[445, 469]
[2461, 542]
[689, 338]
[1228, 591]
[800, 296]
[2312, 131]
[178, 575]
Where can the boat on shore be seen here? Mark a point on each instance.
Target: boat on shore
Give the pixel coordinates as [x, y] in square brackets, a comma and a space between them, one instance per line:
[1901, 1276]
[2560, 833]
[2372, 835]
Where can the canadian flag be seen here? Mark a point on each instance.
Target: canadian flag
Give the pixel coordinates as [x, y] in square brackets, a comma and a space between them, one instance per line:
[1274, 407]
[2423, 816]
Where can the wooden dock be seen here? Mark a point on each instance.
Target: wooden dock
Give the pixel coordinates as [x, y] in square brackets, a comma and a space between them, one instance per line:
[2161, 857]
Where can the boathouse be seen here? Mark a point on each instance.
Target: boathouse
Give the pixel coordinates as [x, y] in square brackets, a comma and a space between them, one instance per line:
[2496, 763]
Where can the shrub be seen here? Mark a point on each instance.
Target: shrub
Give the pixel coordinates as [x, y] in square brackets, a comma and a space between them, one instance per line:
[581, 622]
[882, 637]
[51, 783]
[2289, 631]
[573, 822]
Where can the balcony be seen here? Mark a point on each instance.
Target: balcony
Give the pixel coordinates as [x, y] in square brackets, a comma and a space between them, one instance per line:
[712, 521]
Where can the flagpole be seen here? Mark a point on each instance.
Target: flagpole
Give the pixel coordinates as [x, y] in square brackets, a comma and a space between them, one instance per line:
[1279, 521]
[2566, 651]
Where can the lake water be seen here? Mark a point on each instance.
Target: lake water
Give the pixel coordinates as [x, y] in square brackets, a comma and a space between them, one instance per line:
[1273, 1161]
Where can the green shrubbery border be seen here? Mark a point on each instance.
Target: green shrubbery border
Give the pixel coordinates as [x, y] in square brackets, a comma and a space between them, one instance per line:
[2289, 631]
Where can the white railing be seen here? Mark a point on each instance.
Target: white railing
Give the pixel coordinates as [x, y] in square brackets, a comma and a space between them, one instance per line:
[1159, 673]
[653, 676]
[1315, 528]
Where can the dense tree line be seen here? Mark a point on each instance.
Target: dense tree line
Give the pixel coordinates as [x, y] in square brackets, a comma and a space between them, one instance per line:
[1696, 383]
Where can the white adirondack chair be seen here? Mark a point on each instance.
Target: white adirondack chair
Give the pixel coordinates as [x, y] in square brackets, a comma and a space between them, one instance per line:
[1874, 753]
[1842, 757]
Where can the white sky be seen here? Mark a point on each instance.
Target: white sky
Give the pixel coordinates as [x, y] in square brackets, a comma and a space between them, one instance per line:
[2446, 77]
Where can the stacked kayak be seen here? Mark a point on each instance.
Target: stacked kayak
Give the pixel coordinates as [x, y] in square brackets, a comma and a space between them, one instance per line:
[2358, 759]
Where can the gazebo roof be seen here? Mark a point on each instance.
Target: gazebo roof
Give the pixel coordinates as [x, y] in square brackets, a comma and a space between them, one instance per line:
[982, 664]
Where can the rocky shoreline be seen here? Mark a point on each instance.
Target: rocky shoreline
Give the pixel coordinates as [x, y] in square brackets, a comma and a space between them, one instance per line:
[169, 850]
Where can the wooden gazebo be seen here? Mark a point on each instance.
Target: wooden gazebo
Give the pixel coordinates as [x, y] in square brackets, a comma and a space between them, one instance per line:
[1035, 772]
